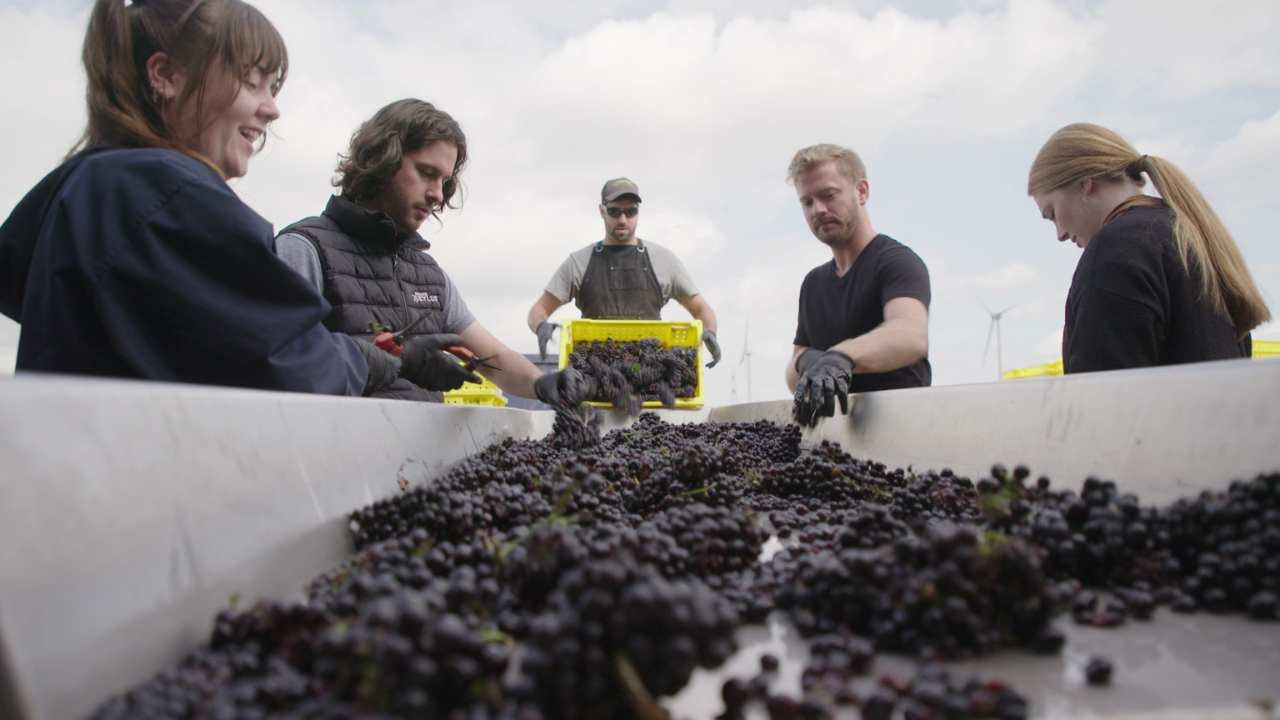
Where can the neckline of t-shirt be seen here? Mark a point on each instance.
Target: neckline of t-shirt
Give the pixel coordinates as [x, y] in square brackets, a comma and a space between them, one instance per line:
[637, 243]
[835, 271]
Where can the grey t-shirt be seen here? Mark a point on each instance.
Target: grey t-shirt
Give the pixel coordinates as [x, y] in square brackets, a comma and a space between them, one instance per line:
[298, 253]
[672, 276]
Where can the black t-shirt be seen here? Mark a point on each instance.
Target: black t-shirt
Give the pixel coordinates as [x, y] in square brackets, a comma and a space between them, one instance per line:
[1132, 304]
[834, 309]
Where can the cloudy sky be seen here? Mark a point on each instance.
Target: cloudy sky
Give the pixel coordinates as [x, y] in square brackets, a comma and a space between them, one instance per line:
[702, 102]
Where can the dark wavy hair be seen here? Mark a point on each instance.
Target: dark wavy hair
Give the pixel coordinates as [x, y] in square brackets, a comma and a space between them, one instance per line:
[380, 144]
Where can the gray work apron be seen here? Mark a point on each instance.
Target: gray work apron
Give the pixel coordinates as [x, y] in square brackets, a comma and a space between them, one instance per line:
[620, 284]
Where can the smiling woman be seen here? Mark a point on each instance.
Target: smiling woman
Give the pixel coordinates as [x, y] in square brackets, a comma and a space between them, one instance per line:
[134, 258]
[198, 77]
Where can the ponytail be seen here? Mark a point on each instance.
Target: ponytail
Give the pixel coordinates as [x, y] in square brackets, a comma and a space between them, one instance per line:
[206, 40]
[1205, 248]
[121, 112]
[1204, 242]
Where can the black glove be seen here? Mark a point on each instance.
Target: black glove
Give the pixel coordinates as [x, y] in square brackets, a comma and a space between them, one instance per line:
[805, 359]
[567, 387]
[824, 378]
[425, 363]
[384, 367]
[713, 345]
[544, 336]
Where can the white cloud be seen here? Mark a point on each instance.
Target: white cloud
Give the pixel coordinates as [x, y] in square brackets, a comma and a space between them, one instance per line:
[1050, 346]
[1194, 51]
[1012, 275]
[703, 104]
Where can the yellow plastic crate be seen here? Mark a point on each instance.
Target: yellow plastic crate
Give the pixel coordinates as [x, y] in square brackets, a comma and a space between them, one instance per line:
[486, 393]
[1046, 370]
[1261, 349]
[670, 334]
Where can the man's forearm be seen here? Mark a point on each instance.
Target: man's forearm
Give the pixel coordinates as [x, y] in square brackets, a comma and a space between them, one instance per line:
[708, 318]
[542, 309]
[537, 316]
[516, 375]
[892, 345]
[701, 310]
[793, 377]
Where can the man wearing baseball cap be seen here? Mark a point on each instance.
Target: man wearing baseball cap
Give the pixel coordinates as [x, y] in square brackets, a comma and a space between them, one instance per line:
[622, 277]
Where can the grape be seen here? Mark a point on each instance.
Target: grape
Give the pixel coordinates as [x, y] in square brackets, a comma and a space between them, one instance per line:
[587, 574]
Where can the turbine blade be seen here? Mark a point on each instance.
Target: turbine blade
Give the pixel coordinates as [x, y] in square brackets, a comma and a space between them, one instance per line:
[991, 328]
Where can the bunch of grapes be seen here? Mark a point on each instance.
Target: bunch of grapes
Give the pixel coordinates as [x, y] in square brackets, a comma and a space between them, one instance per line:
[643, 370]
[615, 634]
[946, 595]
[586, 576]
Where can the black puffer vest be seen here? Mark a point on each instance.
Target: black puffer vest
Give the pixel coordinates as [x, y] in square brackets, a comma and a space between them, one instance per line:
[372, 272]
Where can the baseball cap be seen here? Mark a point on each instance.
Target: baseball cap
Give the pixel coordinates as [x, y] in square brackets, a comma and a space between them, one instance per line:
[618, 187]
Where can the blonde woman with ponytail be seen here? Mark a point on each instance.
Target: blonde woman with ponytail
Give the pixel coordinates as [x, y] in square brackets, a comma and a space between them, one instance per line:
[1160, 280]
[134, 258]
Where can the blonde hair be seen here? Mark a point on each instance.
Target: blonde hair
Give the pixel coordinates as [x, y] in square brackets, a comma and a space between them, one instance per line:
[1081, 150]
[846, 160]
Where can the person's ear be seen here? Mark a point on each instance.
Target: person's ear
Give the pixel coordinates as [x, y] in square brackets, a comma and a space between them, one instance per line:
[162, 77]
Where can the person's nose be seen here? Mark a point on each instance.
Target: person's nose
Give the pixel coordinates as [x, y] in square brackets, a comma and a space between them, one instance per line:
[269, 111]
[435, 191]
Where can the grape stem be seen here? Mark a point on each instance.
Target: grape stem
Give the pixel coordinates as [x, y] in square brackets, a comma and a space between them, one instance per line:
[642, 702]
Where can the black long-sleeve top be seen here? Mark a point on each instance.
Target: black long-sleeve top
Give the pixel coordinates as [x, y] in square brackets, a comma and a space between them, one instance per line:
[1133, 304]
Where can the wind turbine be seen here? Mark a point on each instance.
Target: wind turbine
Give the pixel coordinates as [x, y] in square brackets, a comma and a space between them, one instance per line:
[746, 355]
[995, 327]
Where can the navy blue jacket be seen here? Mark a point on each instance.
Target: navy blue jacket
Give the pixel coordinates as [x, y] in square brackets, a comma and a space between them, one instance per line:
[142, 263]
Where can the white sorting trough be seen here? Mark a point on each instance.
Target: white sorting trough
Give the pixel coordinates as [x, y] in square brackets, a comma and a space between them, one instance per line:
[131, 512]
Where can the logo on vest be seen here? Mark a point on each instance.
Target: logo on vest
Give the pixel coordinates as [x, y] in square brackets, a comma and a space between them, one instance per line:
[422, 297]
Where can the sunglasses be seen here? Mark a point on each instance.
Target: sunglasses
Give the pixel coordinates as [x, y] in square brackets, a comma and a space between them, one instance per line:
[617, 212]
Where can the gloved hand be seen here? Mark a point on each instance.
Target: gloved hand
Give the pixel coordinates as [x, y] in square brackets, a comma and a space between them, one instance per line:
[566, 387]
[425, 363]
[544, 331]
[805, 359]
[824, 377]
[713, 346]
[384, 367]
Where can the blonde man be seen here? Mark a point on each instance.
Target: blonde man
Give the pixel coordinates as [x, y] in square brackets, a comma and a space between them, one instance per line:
[864, 316]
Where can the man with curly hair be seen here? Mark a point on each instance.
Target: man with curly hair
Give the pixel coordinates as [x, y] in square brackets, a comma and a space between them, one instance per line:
[365, 256]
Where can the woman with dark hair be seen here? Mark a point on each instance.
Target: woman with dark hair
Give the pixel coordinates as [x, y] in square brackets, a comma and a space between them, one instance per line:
[134, 259]
[1160, 280]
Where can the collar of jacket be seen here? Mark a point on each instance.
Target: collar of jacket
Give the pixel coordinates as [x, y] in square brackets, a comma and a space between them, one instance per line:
[371, 226]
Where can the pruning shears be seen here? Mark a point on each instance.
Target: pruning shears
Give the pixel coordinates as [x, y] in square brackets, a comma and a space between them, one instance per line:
[393, 342]
[384, 338]
[470, 360]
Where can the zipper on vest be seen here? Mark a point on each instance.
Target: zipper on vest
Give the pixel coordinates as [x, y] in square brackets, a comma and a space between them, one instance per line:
[395, 274]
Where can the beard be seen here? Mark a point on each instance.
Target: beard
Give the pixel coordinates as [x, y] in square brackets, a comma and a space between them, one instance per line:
[834, 235]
